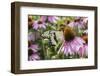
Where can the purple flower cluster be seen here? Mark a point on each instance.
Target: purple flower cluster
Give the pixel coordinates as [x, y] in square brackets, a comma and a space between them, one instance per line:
[32, 36]
[52, 36]
[51, 19]
[33, 52]
[79, 22]
[41, 24]
[78, 44]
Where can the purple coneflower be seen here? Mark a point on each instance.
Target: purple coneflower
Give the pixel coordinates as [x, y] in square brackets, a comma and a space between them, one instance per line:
[34, 57]
[38, 25]
[72, 44]
[33, 52]
[51, 19]
[79, 22]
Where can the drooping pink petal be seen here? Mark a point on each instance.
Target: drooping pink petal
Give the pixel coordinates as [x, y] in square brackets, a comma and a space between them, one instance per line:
[34, 47]
[52, 19]
[86, 49]
[34, 57]
[35, 25]
[71, 24]
[31, 36]
[73, 46]
[83, 51]
[43, 26]
[43, 18]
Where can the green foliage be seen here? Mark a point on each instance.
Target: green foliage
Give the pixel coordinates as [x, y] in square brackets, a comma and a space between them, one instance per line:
[35, 17]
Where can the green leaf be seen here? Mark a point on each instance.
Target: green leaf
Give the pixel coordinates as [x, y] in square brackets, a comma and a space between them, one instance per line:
[36, 17]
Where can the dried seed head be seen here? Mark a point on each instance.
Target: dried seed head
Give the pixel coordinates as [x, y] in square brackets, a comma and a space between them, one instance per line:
[30, 22]
[85, 37]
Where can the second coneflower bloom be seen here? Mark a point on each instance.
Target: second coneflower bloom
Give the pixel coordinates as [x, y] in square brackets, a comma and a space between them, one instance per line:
[39, 25]
[51, 19]
[33, 52]
[72, 44]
